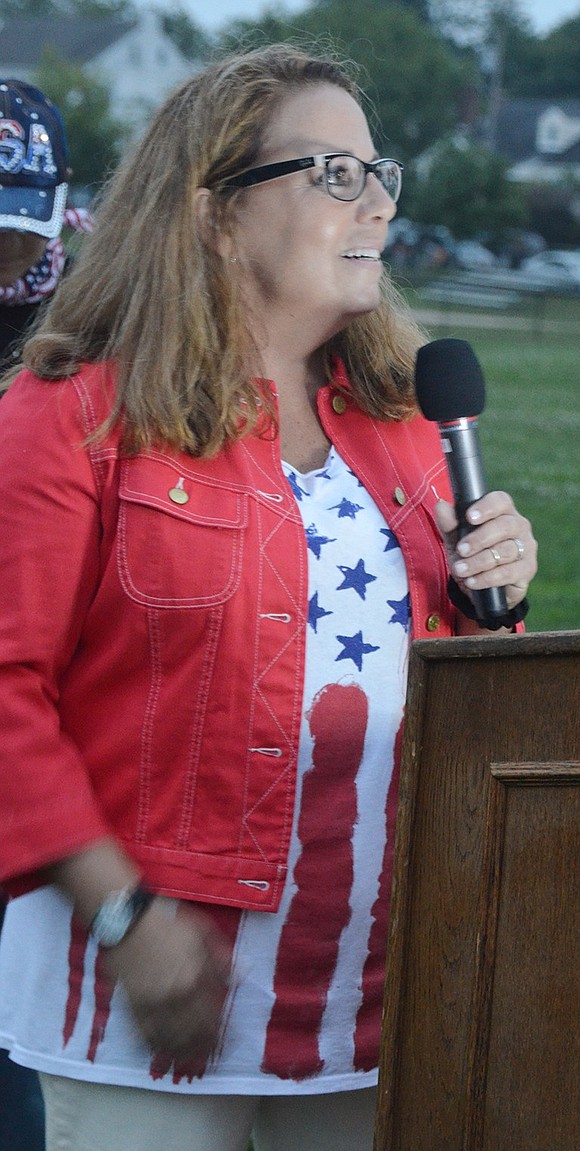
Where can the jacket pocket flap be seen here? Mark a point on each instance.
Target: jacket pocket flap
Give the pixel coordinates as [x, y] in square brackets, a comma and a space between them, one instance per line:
[157, 482]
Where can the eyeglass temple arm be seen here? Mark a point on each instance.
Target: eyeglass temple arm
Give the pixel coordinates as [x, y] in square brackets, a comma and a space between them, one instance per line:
[269, 171]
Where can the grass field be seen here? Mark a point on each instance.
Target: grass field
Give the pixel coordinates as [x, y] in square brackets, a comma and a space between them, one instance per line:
[530, 433]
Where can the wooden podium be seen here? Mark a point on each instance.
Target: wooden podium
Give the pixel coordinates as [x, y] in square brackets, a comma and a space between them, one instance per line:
[481, 1031]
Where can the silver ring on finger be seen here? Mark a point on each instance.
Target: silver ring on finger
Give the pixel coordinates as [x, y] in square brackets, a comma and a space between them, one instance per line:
[495, 555]
[520, 547]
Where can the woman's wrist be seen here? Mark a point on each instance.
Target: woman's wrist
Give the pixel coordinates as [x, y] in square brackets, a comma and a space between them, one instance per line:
[91, 876]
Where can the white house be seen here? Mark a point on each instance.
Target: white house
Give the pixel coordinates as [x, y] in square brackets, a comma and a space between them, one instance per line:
[136, 60]
[540, 139]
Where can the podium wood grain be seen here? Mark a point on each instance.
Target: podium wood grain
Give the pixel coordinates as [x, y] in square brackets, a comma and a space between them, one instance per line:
[481, 1029]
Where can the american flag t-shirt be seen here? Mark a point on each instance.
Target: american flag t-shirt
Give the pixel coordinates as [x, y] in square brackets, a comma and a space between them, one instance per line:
[309, 1000]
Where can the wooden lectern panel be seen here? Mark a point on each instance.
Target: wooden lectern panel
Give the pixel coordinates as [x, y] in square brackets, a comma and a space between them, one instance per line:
[481, 1033]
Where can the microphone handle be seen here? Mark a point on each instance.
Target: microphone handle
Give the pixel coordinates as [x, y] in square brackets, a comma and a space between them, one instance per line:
[460, 443]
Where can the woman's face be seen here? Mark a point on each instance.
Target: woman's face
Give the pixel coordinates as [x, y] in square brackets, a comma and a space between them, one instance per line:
[19, 251]
[310, 263]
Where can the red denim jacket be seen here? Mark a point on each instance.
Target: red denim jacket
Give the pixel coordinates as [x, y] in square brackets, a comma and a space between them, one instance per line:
[153, 631]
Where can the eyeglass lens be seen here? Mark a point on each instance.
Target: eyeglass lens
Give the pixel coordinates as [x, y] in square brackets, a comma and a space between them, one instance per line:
[346, 177]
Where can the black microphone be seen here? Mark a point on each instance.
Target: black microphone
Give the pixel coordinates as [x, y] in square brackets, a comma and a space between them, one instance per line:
[451, 391]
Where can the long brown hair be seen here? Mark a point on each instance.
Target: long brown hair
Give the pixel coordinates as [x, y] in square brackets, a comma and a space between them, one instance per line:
[148, 292]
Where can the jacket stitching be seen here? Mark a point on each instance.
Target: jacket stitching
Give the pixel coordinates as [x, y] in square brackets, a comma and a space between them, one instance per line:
[203, 691]
[144, 801]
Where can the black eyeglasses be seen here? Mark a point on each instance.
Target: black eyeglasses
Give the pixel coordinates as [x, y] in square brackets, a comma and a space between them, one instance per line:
[344, 175]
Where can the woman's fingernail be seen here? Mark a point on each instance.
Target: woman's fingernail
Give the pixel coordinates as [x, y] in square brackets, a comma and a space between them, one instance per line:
[460, 568]
[473, 515]
[463, 548]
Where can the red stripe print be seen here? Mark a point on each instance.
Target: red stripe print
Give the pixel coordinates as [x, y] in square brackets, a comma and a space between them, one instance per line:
[76, 969]
[103, 994]
[368, 1021]
[162, 1065]
[103, 990]
[226, 920]
[320, 909]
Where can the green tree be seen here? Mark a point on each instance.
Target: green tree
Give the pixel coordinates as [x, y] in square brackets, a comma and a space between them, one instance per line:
[188, 36]
[420, 8]
[467, 189]
[413, 79]
[94, 136]
[519, 62]
[558, 70]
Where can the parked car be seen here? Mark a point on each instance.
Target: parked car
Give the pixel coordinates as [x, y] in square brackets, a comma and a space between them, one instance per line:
[554, 267]
[419, 245]
[512, 245]
[474, 257]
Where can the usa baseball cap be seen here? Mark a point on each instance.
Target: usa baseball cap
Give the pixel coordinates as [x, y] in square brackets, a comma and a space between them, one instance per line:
[33, 161]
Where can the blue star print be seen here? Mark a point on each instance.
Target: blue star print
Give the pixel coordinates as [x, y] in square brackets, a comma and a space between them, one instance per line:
[355, 578]
[401, 611]
[346, 508]
[315, 612]
[354, 648]
[315, 541]
[391, 543]
[298, 491]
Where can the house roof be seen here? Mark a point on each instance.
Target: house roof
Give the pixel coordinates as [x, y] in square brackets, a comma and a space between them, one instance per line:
[23, 39]
[135, 59]
[546, 130]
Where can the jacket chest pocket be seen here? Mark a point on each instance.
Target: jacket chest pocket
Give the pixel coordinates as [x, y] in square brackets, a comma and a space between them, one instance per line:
[180, 539]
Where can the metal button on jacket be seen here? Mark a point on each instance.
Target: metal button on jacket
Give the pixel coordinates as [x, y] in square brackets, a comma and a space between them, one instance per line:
[177, 494]
[400, 496]
[433, 622]
[338, 404]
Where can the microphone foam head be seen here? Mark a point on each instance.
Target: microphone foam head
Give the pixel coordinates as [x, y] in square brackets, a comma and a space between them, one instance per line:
[449, 381]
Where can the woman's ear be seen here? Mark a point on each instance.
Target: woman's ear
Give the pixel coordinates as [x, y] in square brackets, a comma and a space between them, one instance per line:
[211, 234]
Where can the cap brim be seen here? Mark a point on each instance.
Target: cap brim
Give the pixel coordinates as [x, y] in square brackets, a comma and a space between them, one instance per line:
[38, 210]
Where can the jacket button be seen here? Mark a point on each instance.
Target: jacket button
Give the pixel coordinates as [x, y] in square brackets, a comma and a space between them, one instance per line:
[433, 622]
[338, 404]
[399, 496]
[178, 496]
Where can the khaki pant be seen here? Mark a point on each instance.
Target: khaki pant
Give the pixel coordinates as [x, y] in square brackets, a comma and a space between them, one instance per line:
[97, 1117]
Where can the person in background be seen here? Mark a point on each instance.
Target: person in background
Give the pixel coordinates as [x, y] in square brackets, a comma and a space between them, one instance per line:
[221, 523]
[33, 191]
[34, 177]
